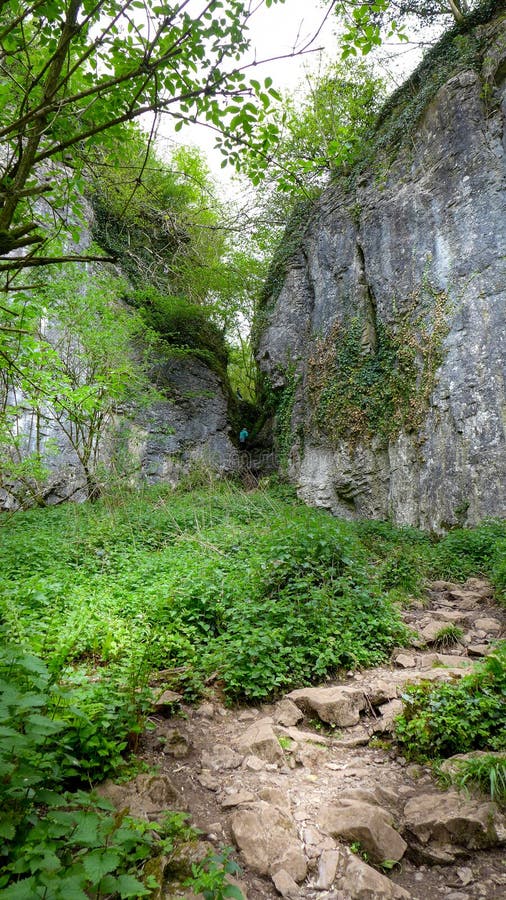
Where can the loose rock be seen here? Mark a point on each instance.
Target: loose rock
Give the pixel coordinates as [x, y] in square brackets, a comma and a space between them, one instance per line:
[354, 820]
[259, 739]
[336, 705]
[268, 841]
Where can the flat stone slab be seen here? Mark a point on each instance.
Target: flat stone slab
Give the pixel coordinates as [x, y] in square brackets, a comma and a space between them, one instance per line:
[449, 823]
[268, 841]
[339, 705]
[371, 826]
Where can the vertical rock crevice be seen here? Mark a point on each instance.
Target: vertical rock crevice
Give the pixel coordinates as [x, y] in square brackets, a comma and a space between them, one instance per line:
[367, 305]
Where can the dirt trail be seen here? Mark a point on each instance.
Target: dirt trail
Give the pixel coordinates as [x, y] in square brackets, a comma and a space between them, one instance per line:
[292, 793]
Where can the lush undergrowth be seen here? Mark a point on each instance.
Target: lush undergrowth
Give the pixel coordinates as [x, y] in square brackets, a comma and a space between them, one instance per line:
[253, 592]
[461, 717]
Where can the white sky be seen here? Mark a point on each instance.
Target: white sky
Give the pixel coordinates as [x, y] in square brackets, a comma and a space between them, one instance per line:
[274, 32]
[277, 31]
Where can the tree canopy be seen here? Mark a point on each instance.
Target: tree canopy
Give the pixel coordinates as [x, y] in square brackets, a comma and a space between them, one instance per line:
[72, 72]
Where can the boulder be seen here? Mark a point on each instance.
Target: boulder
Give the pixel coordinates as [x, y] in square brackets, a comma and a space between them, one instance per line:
[339, 705]
[441, 827]
[356, 820]
[358, 881]
[259, 739]
[268, 841]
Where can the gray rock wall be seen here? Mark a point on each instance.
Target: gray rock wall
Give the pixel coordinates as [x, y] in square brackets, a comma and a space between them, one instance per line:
[186, 429]
[427, 221]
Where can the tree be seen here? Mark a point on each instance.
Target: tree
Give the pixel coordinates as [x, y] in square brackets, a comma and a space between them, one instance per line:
[69, 380]
[366, 24]
[324, 124]
[73, 71]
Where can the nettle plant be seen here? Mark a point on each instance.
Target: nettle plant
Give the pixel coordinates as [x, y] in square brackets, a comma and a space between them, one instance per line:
[73, 845]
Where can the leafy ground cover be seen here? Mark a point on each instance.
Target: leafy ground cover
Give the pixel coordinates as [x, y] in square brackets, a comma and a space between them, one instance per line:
[253, 591]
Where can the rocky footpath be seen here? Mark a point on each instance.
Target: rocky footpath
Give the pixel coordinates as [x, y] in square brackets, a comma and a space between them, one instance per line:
[314, 799]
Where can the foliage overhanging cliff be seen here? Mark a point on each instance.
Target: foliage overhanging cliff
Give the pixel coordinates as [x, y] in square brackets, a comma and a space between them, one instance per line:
[383, 317]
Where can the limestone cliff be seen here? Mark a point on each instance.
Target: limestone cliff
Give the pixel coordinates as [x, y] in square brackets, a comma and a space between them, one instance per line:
[385, 337]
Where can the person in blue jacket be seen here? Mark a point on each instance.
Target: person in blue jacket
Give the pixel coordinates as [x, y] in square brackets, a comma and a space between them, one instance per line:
[243, 436]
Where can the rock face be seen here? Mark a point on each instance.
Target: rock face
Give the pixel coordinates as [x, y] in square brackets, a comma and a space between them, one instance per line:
[399, 281]
[187, 428]
[191, 427]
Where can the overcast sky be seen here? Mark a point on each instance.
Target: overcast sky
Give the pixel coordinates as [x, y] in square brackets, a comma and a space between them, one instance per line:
[275, 32]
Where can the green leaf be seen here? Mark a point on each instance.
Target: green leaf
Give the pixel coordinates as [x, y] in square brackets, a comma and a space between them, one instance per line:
[99, 863]
[128, 886]
[231, 890]
[22, 890]
[7, 830]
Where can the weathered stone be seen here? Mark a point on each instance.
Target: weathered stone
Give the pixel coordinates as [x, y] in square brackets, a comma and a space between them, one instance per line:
[405, 661]
[276, 797]
[466, 875]
[375, 795]
[177, 744]
[356, 737]
[389, 713]
[220, 757]
[380, 691]
[335, 705]
[452, 616]
[441, 586]
[440, 827]
[237, 798]
[208, 781]
[253, 763]
[300, 737]
[374, 254]
[165, 702]
[287, 713]
[489, 626]
[268, 841]
[316, 842]
[259, 739]
[285, 885]
[204, 711]
[358, 881]
[147, 796]
[479, 649]
[431, 631]
[327, 868]
[353, 820]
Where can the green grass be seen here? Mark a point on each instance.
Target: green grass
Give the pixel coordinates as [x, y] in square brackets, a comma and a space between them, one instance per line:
[486, 772]
[259, 588]
[255, 586]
